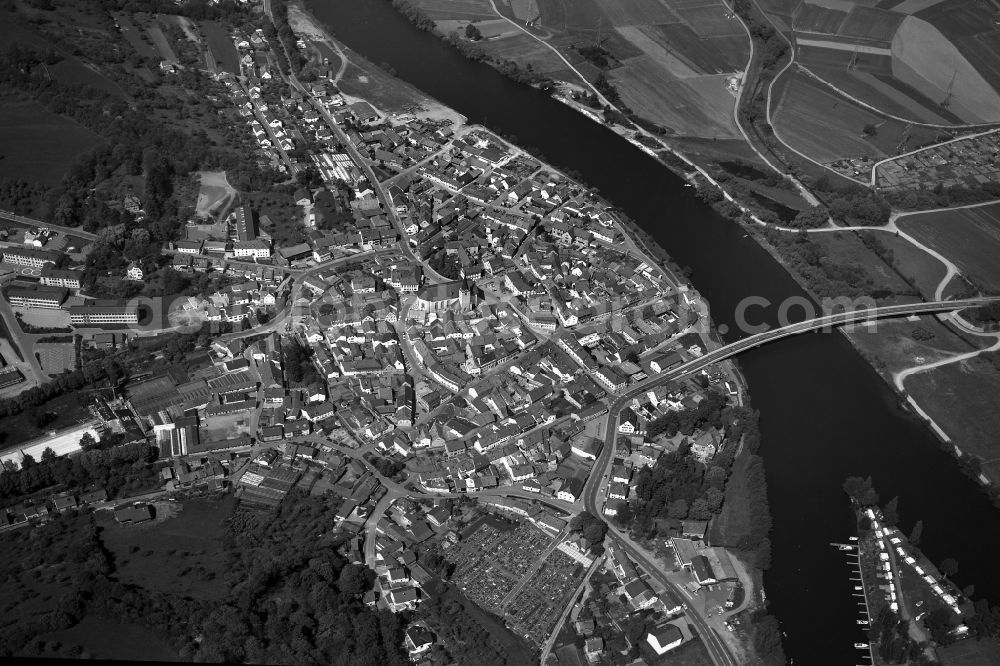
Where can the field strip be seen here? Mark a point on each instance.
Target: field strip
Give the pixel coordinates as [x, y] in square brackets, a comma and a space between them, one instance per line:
[657, 53]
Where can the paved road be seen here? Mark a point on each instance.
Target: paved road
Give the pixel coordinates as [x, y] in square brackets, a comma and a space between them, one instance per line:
[839, 319]
[14, 217]
[23, 342]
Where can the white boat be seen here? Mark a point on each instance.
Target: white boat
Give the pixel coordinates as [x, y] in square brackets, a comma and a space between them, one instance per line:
[864, 622]
[861, 646]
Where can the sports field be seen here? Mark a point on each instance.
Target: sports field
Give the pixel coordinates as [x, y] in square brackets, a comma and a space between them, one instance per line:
[214, 195]
[38, 146]
[970, 237]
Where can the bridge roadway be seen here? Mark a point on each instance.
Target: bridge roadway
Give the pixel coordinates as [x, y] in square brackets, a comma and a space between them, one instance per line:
[592, 492]
[838, 319]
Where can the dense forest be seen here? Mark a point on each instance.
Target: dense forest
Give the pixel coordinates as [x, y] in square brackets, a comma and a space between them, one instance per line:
[291, 598]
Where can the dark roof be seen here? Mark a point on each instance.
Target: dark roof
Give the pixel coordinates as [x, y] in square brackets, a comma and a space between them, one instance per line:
[131, 513]
[667, 634]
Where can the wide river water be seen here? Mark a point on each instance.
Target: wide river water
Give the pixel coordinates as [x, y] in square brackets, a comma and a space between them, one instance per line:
[825, 413]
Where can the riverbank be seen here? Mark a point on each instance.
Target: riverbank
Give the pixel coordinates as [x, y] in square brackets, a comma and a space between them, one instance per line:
[823, 414]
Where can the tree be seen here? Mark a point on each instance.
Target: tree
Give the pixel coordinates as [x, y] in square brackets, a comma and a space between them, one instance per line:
[678, 509]
[48, 455]
[27, 462]
[949, 566]
[473, 33]
[870, 129]
[890, 512]
[918, 530]
[87, 442]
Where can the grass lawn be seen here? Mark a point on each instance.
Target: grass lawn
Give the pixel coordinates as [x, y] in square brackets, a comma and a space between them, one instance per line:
[39, 146]
[962, 398]
[896, 344]
[181, 555]
[971, 652]
[221, 46]
[385, 92]
[923, 269]
[692, 653]
[736, 517]
[969, 237]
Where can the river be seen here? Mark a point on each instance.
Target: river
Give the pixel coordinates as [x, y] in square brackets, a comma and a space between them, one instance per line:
[825, 413]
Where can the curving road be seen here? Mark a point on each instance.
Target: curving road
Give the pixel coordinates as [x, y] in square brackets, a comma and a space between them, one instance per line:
[593, 489]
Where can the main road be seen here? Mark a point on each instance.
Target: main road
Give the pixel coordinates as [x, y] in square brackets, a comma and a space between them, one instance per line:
[592, 493]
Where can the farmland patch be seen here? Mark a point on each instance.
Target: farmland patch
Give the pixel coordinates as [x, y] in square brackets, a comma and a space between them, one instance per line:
[970, 237]
[814, 18]
[872, 24]
[711, 20]
[821, 124]
[924, 58]
[635, 12]
[713, 55]
[653, 93]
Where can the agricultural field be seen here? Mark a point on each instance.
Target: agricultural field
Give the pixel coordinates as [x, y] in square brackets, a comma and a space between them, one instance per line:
[467, 10]
[694, 106]
[714, 55]
[871, 81]
[38, 146]
[972, 29]
[668, 59]
[925, 59]
[821, 124]
[925, 52]
[970, 237]
[871, 24]
[961, 398]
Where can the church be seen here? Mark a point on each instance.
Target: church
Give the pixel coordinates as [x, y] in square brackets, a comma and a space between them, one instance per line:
[456, 296]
